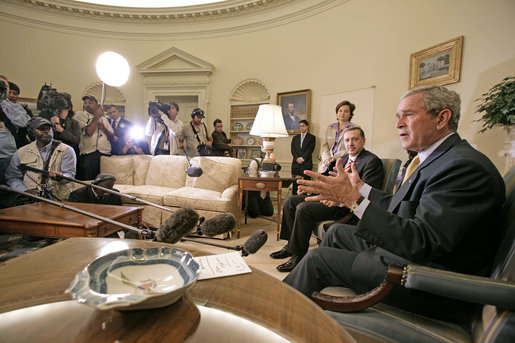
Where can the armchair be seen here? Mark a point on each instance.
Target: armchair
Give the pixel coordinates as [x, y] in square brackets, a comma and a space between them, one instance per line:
[494, 321]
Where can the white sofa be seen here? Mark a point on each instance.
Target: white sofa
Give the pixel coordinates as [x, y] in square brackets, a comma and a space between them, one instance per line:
[162, 180]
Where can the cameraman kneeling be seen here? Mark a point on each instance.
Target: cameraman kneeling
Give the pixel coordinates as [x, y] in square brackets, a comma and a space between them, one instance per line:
[260, 203]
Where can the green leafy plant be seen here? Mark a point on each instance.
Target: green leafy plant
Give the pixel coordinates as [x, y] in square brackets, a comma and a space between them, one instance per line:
[498, 105]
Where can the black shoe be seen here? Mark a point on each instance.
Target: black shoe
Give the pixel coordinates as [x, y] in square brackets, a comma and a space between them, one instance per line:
[290, 264]
[283, 253]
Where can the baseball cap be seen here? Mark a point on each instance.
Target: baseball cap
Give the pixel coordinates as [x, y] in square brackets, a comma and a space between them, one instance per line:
[197, 112]
[90, 97]
[37, 122]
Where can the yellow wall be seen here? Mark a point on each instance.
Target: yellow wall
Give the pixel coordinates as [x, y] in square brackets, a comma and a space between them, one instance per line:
[357, 44]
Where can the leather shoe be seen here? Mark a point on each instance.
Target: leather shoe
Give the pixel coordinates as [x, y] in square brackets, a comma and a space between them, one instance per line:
[290, 264]
[283, 253]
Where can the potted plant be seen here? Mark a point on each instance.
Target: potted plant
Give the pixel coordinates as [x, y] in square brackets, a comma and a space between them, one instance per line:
[497, 107]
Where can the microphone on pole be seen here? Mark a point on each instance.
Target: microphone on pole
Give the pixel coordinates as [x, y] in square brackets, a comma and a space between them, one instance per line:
[192, 171]
[251, 245]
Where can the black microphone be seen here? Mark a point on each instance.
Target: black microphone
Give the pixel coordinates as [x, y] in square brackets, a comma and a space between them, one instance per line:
[218, 224]
[251, 245]
[178, 225]
[192, 171]
[254, 243]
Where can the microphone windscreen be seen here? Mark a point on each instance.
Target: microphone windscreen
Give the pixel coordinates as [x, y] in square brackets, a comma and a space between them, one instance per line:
[255, 242]
[218, 225]
[194, 171]
[178, 225]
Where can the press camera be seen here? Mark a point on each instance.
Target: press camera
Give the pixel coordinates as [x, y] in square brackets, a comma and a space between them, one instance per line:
[155, 106]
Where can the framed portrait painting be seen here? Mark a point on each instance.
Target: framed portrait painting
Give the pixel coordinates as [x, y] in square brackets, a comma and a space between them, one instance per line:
[296, 106]
[437, 65]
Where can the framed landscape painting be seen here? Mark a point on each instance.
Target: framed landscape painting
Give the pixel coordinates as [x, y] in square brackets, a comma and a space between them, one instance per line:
[437, 65]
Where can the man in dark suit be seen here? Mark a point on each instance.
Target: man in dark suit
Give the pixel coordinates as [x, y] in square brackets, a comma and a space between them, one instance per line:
[300, 217]
[120, 126]
[302, 146]
[444, 215]
[220, 141]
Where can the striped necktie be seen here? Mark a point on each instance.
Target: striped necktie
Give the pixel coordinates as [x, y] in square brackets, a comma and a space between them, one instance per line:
[348, 165]
[411, 167]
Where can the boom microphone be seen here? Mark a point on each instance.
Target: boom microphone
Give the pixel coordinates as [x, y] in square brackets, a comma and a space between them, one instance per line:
[251, 245]
[254, 243]
[192, 171]
[177, 225]
[218, 224]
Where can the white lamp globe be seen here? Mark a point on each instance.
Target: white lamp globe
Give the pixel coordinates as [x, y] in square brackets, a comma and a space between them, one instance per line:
[112, 68]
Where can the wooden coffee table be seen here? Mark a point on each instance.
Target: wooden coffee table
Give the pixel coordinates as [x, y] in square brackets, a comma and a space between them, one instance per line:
[46, 220]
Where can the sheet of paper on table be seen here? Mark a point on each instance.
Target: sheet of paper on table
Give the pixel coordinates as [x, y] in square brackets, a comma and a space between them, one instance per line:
[227, 264]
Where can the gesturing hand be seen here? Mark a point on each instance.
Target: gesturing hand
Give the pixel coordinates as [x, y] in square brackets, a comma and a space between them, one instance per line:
[337, 188]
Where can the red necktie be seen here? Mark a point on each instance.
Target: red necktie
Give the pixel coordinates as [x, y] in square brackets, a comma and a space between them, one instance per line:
[348, 165]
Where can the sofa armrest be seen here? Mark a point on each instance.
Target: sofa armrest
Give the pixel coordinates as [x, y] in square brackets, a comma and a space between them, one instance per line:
[230, 193]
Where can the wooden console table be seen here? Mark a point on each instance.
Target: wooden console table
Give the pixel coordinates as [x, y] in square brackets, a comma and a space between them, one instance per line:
[45, 220]
[262, 184]
[40, 278]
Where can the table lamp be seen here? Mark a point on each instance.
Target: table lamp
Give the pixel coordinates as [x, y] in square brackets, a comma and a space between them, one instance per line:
[269, 124]
[113, 69]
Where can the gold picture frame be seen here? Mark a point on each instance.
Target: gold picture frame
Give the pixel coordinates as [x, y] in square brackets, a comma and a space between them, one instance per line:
[437, 65]
[301, 101]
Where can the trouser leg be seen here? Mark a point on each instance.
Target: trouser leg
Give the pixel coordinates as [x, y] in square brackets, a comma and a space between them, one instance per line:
[306, 217]
[289, 208]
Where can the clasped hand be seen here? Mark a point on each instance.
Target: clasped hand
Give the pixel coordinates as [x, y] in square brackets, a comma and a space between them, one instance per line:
[339, 188]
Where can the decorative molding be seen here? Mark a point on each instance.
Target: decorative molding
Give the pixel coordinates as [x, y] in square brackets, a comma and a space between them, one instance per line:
[223, 18]
[113, 95]
[250, 91]
[173, 61]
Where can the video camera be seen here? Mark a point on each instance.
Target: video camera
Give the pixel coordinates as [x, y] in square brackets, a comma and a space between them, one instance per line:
[51, 102]
[3, 90]
[155, 106]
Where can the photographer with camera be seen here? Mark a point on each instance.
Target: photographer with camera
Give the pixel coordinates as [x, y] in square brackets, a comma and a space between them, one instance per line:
[57, 108]
[130, 145]
[12, 118]
[165, 128]
[196, 136]
[96, 138]
[220, 141]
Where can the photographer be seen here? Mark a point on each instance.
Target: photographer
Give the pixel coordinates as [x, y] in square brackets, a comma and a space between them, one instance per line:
[96, 138]
[165, 128]
[195, 134]
[131, 146]
[57, 108]
[12, 118]
[220, 141]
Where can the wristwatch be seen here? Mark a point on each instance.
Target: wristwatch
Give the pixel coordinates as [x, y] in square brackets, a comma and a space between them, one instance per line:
[354, 205]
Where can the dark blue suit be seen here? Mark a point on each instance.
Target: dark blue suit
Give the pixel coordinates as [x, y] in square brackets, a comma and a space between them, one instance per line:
[306, 152]
[120, 130]
[446, 215]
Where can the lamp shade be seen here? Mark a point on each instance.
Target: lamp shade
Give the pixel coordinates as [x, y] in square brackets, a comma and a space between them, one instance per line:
[269, 122]
[112, 68]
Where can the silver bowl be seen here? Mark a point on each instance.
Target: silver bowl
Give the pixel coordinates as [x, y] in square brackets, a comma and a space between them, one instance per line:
[135, 279]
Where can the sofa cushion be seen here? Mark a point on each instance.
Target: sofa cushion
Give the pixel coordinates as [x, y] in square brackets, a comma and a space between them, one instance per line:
[167, 171]
[199, 199]
[141, 164]
[153, 194]
[119, 166]
[218, 173]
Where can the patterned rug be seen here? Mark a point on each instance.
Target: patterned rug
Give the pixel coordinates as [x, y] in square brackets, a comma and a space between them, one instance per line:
[12, 246]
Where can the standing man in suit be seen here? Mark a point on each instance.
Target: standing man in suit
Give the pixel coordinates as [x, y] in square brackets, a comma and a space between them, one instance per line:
[444, 215]
[291, 120]
[300, 217]
[120, 127]
[302, 146]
